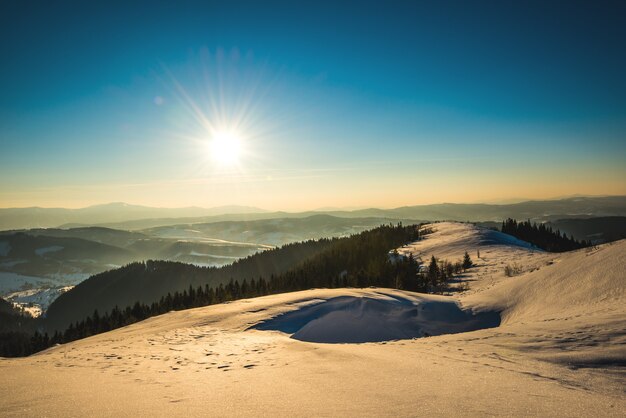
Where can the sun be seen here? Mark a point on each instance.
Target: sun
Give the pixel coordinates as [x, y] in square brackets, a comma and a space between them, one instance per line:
[225, 148]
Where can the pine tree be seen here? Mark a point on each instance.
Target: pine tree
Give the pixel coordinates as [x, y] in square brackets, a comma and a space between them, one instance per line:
[467, 261]
[433, 271]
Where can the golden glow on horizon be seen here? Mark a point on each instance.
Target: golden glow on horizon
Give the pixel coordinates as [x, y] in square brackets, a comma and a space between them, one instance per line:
[302, 192]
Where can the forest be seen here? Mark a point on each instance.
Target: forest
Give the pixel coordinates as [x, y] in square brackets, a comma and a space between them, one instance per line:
[542, 236]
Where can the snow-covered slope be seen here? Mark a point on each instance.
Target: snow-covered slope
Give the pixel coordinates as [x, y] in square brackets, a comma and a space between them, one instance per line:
[377, 316]
[593, 278]
[450, 240]
[559, 351]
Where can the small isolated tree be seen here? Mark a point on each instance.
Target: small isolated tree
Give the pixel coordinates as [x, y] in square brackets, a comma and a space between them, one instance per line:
[477, 253]
[449, 269]
[467, 261]
[433, 271]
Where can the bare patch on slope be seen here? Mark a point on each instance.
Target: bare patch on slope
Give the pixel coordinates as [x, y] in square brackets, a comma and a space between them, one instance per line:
[351, 319]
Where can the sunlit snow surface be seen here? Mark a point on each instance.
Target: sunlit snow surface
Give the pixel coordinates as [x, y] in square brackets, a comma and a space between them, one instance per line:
[375, 318]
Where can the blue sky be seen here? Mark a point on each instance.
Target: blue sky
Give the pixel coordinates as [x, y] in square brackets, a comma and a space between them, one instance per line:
[357, 104]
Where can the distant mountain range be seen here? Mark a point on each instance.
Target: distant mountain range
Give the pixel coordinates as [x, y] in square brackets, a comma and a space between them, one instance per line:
[131, 217]
[35, 217]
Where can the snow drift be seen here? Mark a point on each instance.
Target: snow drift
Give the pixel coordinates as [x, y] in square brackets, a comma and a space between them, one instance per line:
[352, 319]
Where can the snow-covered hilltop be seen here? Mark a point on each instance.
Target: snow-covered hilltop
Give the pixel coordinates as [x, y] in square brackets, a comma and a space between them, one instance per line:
[491, 251]
[558, 347]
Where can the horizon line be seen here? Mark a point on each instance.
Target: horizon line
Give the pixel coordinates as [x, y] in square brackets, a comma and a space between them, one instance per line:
[503, 202]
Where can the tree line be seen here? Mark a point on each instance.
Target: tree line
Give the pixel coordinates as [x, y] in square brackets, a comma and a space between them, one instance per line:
[542, 236]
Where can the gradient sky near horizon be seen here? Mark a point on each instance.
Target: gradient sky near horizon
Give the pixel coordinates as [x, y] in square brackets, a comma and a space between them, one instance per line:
[336, 105]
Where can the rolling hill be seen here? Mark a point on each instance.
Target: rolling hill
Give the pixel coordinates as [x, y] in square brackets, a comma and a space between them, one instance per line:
[271, 232]
[559, 342]
[148, 282]
[35, 217]
[597, 230]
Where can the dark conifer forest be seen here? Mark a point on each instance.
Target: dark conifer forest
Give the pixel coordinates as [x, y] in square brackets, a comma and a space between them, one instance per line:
[16, 329]
[542, 236]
